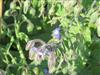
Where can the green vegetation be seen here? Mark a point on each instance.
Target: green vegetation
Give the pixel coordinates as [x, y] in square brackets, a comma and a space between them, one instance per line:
[79, 49]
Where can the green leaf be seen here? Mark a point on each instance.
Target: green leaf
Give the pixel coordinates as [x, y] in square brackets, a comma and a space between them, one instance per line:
[7, 13]
[30, 27]
[32, 11]
[64, 70]
[12, 5]
[35, 3]
[87, 34]
[93, 17]
[77, 10]
[26, 6]
[98, 30]
[23, 36]
[64, 22]
[60, 11]
[74, 29]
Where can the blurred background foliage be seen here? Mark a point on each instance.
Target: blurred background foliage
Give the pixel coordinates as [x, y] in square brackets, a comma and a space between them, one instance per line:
[24, 20]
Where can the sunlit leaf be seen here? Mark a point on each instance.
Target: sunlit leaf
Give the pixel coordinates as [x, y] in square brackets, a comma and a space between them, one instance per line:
[32, 11]
[87, 34]
[23, 36]
[26, 6]
[60, 11]
[7, 13]
[98, 30]
[13, 5]
[30, 27]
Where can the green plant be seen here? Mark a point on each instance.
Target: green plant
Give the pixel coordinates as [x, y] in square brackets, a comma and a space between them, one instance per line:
[25, 20]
